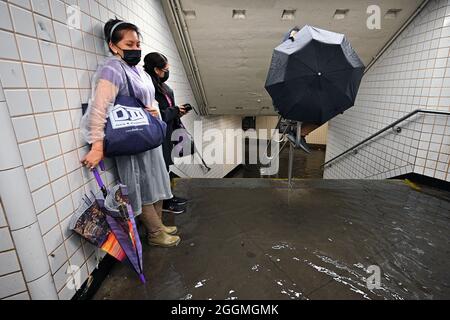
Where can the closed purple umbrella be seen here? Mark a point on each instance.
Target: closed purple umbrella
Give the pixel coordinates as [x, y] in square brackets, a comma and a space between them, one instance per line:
[120, 218]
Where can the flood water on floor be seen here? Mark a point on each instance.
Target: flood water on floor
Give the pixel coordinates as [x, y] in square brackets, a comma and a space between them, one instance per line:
[257, 239]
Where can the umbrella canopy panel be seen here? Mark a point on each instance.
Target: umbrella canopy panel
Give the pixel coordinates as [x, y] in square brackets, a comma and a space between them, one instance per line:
[314, 77]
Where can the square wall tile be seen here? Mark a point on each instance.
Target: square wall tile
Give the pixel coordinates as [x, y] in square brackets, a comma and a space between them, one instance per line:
[75, 180]
[5, 20]
[18, 102]
[68, 142]
[41, 7]
[77, 259]
[29, 49]
[22, 21]
[80, 59]
[67, 233]
[63, 121]
[5, 240]
[73, 99]
[49, 52]
[62, 33]
[59, 99]
[59, 10]
[12, 284]
[46, 124]
[54, 77]
[42, 198]
[22, 3]
[25, 128]
[57, 258]
[53, 239]
[84, 78]
[66, 56]
[56, 168]
[77, 41]
[34, 73]
[31, 153]
[40, 99]
[70, 78]
[76, 119]
[48, 219]
[60, 188]
[37, 176]
[61, 277]
[11, 75]
[72, 244]
[44, 28]
[65, 208]
[8, 41]
[51, 146]
[9, 262]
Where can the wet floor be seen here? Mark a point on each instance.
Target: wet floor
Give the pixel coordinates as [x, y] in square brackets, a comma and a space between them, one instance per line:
[306, 166]
[255, 239]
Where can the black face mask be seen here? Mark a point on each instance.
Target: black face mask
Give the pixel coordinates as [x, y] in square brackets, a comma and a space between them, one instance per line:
[132, 57]
[166, 77]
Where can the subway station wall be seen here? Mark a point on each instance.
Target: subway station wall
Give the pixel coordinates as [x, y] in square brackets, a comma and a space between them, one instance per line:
[45, 73]
[414, 73]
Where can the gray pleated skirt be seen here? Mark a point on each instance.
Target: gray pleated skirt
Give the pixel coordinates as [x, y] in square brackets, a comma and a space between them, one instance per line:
[146, 177]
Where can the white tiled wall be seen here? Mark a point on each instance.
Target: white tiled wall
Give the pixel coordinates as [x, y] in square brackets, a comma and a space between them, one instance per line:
[45, 72]
[414, 73]
[196, 170]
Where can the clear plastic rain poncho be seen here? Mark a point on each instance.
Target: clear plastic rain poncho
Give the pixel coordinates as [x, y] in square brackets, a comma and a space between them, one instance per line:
[108, 82]
[145, 174]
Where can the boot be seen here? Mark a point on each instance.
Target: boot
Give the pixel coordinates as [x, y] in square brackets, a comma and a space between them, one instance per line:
[162, 239]
[170, 230]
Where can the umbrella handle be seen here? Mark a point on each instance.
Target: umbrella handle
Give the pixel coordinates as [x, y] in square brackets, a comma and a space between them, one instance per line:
[98, 178]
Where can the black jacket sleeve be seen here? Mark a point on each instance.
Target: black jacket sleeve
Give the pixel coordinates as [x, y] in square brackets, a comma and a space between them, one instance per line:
[168, 114]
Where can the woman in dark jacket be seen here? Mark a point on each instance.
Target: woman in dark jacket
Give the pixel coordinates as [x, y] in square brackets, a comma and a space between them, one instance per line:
[157, 66]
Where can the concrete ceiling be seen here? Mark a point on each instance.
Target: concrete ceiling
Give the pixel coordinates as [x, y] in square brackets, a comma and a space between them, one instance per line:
[233, 55]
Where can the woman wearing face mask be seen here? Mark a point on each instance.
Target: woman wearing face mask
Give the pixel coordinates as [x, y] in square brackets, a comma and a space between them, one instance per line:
[144, 174]
[157, 66]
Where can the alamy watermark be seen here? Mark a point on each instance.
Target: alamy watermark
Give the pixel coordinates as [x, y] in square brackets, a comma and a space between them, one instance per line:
[73, 17]
[374, 280]
[74, 277]
[374, 20]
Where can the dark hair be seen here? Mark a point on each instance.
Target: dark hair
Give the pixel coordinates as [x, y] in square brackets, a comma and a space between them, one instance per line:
[155, 60]
[117, 34]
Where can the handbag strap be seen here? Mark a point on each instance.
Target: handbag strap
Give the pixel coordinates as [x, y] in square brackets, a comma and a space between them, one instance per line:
[130, 87]
[169, 101]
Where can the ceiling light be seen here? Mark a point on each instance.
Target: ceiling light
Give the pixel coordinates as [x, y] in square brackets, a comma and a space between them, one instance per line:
[239, 14]
[340, 14]
[392, 13]
[190, 14]
[288, 15]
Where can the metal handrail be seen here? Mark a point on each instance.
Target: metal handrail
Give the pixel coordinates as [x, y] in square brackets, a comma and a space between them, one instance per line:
[385, 129]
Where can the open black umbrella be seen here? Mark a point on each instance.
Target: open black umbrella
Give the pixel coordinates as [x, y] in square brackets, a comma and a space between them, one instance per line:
[314, 76]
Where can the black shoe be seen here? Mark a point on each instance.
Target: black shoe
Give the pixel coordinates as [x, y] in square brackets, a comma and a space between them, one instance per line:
[179, 201]
[304, 145]
[169, 206]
